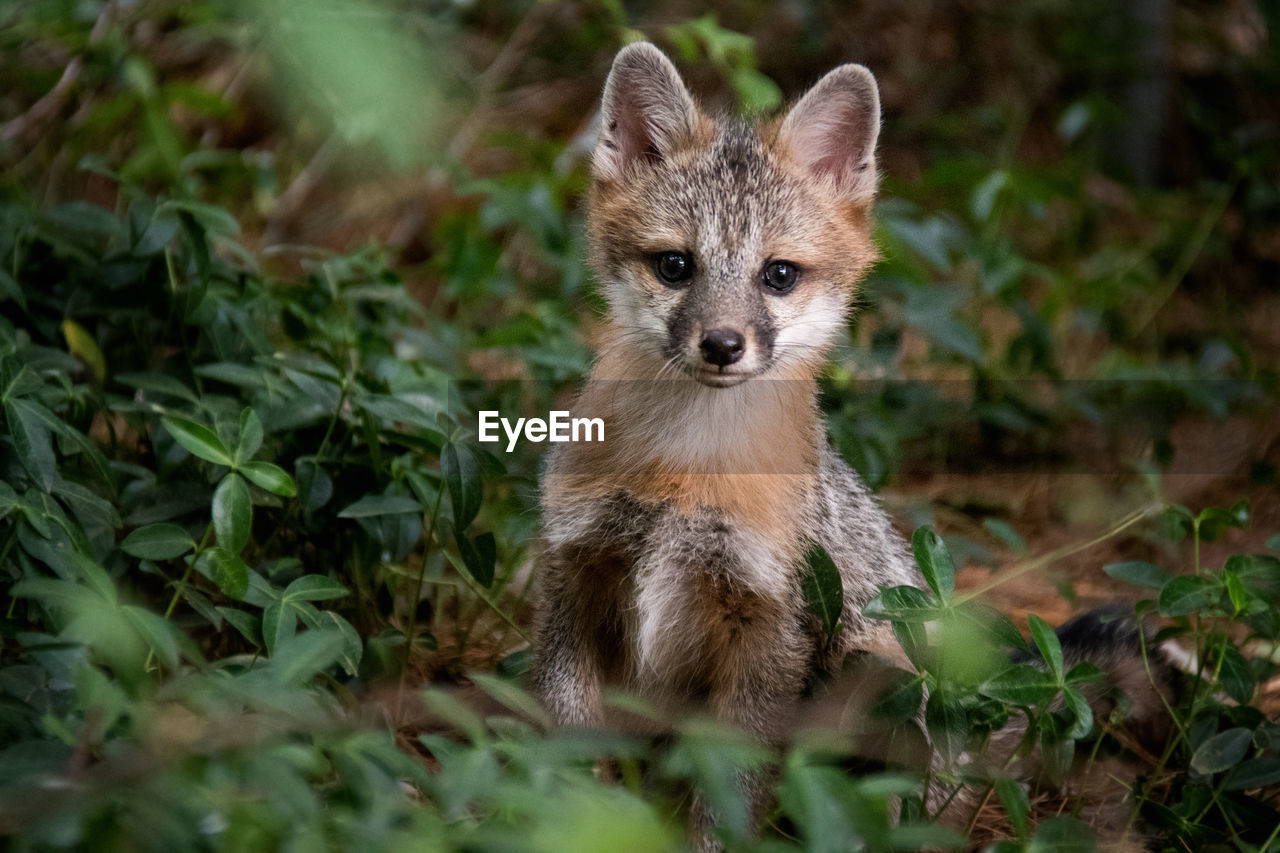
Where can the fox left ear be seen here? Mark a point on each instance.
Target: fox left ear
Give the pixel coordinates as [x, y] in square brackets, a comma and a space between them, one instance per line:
[831, 132]
[646, 113]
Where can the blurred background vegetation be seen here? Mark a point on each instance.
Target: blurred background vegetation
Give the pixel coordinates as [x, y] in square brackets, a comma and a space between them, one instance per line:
[260, 262]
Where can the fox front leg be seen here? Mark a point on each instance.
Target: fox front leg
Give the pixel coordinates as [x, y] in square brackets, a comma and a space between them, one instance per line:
[576, 634]
[756, 689]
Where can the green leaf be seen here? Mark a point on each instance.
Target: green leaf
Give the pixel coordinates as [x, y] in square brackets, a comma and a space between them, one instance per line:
[158, 542]
[211, 218]
[479, 555]
[199, 440]
[279, 623]
[919, 836]
[157, 383]
[86, 505]
[315, 588]
[1188, 594]
[201, 604]
[1062, 835]
[12, 290]
[95, 577]
[227, 570]
[250, 437]
[1222, 751]
[1273, 543]
[249, 626]
[1085, 673]
[902, 604]
[297, 658]
[352, 647]
[232, 513]
[462, 474]
[1236, 592]
[1048, 643]
[261, 592]
[1138, 572]
[314, 485]
[273, 478]
[823, 587]
[371, 505]
[155, 631]
[1258, 572]
[935, 562]
[756, 92]
[512, 697]
[162, 228]
[1252, 774]
[1006, 534]
[983, 620]
[984, 197]
[900, 700]
[9, 500]
[1079, 706]
[948, 723]
[1235, 675]
[234, 374]
[456, 713]
[1175, 522]
[1016, 804]
[513, 667]
[1213, 521]
[914, 640]
[1021, 684]
[17, 380]
[32, 441]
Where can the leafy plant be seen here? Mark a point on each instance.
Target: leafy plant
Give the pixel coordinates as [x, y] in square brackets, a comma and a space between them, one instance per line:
[239, 497]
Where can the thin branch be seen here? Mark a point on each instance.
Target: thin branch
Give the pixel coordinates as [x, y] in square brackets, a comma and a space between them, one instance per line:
[509, 58]
[48, 107]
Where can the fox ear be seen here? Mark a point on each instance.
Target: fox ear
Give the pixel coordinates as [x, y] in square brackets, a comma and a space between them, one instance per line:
[831, 132]
[646, 113]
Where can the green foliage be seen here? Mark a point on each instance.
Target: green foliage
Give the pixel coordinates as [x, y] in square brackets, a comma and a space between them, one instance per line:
[157, 553]
[733, 55]
[823, 588]
[1211, 782]
[237, 487]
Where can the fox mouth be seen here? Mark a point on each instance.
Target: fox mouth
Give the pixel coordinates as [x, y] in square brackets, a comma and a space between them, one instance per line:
[713, 378]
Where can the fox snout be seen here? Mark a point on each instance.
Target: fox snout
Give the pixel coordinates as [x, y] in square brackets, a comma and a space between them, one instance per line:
[719, 335]
[722, 347]
[725, 355]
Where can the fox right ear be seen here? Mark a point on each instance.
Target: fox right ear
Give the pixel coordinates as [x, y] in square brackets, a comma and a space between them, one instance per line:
[646, 113]
[831, 132]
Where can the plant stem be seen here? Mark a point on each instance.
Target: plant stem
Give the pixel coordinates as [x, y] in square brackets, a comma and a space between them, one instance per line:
[483, 595]
[182, 585]
[411, 625]
[1057, 554]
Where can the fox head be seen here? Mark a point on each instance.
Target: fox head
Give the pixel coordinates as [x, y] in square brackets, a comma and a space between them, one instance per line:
[729, 251]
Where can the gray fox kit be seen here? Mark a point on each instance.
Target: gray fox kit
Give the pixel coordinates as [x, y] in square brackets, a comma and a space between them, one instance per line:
[674, 551]
[728, 256]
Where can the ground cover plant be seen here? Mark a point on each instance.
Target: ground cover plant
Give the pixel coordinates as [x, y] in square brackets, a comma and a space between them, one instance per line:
[264, 590]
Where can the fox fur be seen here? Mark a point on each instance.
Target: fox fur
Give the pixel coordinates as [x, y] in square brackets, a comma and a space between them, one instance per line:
[674, 551]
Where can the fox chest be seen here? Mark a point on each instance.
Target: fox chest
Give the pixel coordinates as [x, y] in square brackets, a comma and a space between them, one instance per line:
[680, 594]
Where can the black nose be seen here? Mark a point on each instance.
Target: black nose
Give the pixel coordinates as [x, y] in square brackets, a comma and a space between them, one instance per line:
[722, 346]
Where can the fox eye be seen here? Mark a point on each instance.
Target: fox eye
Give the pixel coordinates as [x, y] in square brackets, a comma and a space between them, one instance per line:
[673, 267]
[781, 276]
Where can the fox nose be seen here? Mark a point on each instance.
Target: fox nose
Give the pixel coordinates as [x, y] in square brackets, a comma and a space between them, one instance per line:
[722, 347]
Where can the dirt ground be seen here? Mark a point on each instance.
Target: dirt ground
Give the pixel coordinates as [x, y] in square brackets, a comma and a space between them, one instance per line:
[1065, 519]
